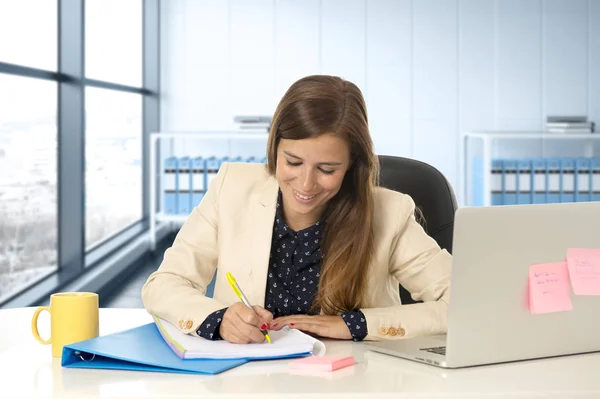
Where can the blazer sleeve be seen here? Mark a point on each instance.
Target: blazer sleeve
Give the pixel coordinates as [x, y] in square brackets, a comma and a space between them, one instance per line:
[423, 268]
[176, 291]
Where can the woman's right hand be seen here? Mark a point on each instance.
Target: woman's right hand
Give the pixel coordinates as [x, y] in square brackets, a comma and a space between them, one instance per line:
[242, 325]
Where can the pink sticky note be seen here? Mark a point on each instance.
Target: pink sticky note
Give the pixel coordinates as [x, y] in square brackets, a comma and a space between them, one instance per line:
[584, 270]
[549, 288]
[322, 363]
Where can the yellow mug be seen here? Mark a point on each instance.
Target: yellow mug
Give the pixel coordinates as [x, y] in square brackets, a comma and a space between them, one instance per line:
[73, 318]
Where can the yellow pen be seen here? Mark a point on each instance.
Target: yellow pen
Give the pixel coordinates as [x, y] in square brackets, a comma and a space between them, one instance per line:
[240, 294]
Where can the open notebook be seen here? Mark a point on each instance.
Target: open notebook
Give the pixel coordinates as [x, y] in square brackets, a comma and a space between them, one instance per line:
[286, 343]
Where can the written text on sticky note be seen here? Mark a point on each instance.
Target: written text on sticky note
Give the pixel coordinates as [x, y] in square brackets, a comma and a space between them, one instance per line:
[584, 270]
[549, 289]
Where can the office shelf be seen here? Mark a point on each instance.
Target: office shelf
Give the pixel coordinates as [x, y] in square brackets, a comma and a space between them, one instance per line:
[481, 145]
[156, 181]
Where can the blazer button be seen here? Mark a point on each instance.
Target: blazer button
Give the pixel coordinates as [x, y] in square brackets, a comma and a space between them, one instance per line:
[188, 325]
[383, 330]
[180, 323]
[392, 331]
[401, 332]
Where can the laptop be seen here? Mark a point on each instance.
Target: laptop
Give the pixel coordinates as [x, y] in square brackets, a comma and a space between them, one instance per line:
[489, 320]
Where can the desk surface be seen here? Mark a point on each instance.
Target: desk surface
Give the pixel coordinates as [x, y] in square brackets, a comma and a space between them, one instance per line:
[32, 372]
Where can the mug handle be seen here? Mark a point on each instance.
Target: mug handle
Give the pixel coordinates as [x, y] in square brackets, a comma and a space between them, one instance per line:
[34, 325]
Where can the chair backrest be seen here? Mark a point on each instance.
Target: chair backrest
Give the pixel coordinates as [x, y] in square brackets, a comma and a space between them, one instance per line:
[432, 194]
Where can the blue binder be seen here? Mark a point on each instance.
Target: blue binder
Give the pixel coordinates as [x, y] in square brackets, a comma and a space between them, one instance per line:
[595, 179]
[582, 179]
[540, 181]
[170, 186]
[141, 349]
[510, 182]
[253, 159]
[198, 181]
[524, 182]
[497, 182]
[184, 182]
[567, 179]
[553, 186]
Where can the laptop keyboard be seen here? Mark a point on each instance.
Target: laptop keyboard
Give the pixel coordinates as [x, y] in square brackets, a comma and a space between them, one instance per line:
[440, 350]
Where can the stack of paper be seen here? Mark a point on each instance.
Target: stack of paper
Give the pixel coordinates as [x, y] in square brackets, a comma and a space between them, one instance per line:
[285, 343]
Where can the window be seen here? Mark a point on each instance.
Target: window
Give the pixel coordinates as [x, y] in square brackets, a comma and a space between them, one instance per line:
[113, 151]
[28, 33]
[113, 40]
[71, 141]
[28, 177]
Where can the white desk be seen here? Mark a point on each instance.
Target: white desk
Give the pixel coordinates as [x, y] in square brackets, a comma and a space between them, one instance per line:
[27, 369]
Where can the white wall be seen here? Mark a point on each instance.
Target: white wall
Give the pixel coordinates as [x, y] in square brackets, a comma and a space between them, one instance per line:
[428, 68]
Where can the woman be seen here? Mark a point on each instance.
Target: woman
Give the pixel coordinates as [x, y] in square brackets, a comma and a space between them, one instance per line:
[311, 240]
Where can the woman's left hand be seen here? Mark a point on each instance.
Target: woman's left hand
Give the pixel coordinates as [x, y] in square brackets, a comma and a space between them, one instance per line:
[324, 326]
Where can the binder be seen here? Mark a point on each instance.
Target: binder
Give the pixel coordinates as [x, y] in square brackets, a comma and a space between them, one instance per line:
[141, 349]
[510, 182]
[553, 185]
[582, 179]
[539, 181]
[254, 160]
[211, 169]
[170, 186]
[497, 182]
[184, 179]
[198, 181]
[524, 191]
[567, 176]
[595, 166]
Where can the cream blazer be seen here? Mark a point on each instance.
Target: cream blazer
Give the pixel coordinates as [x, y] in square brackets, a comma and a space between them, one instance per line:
[231, 229]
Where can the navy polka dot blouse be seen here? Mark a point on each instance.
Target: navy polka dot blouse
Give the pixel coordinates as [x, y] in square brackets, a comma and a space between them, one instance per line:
[293, 279]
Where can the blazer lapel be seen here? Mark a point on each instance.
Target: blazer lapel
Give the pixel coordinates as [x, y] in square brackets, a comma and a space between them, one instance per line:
[262, 216]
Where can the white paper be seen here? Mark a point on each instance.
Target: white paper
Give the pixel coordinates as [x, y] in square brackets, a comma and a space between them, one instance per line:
[285, 342]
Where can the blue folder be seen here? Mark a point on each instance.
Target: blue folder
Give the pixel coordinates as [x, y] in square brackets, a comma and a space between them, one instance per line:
[567, 175]
[554, 185]
[184, 182]
[198, 181]
[540, 181]
[510, 181]
[595, 180]
[170, 186]
[524, 182]
[141, 349]
[497, 182]
[583, 180]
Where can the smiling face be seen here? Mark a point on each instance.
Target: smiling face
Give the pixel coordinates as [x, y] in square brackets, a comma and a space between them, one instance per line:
[310, 172]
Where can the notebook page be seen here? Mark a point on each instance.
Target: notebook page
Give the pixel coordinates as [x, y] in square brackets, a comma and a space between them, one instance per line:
[285, 342]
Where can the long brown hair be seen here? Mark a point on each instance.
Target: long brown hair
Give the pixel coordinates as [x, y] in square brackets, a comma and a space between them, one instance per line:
[328, 104]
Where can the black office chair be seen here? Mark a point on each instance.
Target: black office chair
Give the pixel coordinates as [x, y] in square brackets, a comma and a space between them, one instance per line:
[432, 194]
